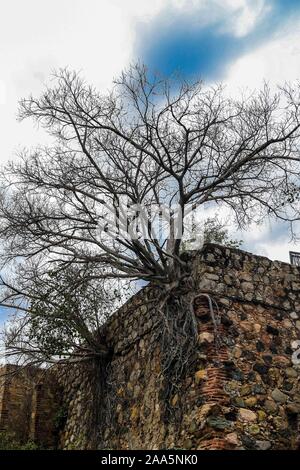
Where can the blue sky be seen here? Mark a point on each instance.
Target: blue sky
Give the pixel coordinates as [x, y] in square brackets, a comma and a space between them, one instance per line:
[240, 42]
[4, 314]
[203, 41]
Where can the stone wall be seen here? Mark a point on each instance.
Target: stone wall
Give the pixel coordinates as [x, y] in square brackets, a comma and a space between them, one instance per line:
[242, 389]
[29, 400]
[129, 373]
[244, 393]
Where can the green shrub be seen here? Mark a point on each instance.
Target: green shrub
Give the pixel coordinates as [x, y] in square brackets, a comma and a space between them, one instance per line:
[60, 418]
[8, 441]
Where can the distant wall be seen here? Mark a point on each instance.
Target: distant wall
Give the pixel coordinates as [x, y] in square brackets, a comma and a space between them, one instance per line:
[244, 393]
[29, 400]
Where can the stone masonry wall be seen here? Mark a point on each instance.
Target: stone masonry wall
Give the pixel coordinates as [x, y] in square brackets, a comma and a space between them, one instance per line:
[241, 393]
[242, 390]
[129, 331]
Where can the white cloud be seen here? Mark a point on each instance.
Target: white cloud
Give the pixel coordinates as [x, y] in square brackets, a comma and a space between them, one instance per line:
[277, 61]
[250, 13]
[2, 92]
[95, 37]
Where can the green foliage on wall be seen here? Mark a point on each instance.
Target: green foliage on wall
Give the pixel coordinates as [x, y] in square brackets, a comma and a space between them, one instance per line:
[8, 441]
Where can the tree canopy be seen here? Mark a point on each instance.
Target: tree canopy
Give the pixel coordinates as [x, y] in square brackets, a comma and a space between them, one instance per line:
[110, 197]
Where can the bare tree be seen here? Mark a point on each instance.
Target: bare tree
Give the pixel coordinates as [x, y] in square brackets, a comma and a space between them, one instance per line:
[87, 200]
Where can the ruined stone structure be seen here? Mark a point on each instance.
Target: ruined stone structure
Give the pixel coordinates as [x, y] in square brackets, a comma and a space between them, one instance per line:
[29, 399]
[243, 387]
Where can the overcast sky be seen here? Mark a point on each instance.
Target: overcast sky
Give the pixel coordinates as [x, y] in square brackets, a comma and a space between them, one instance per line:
[238, 42]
